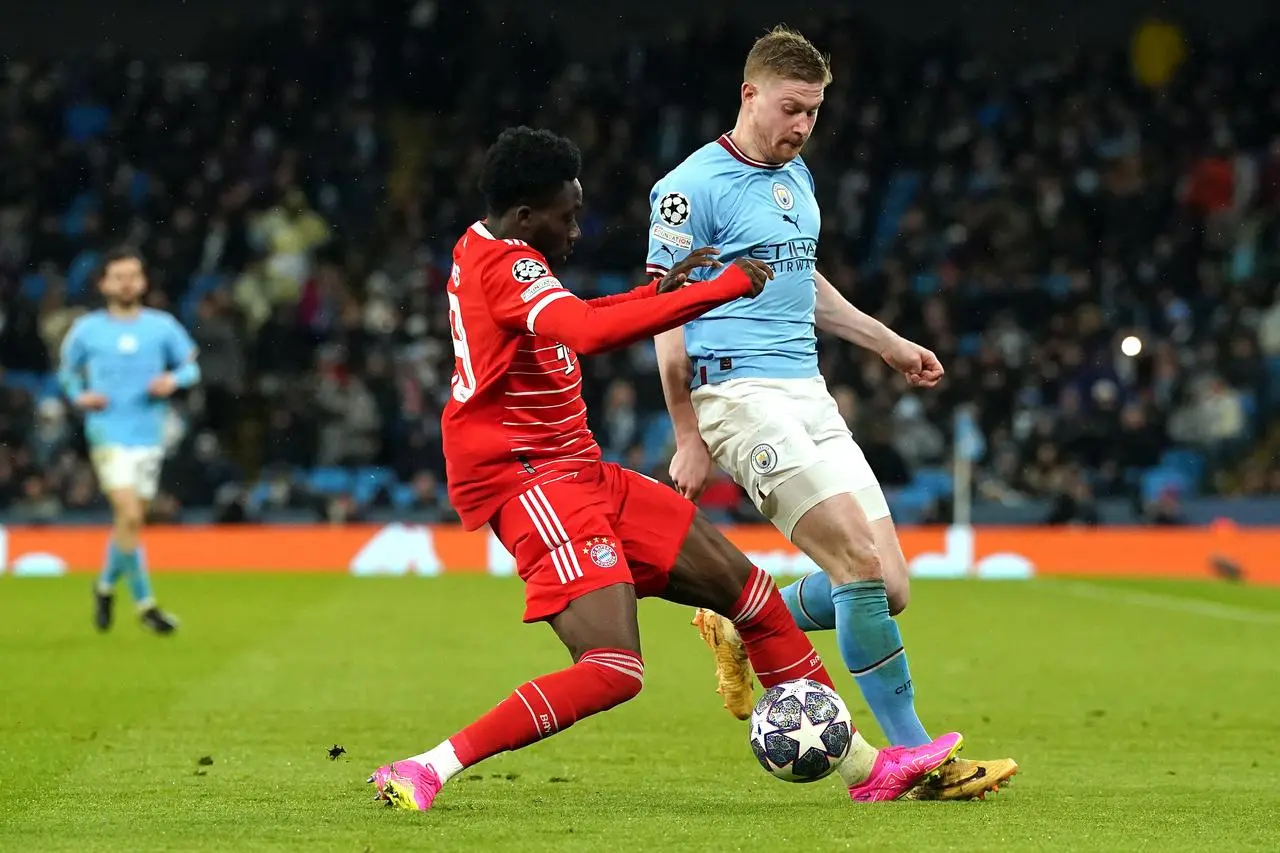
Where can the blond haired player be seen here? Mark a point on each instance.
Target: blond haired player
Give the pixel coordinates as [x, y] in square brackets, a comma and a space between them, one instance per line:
[743, 388]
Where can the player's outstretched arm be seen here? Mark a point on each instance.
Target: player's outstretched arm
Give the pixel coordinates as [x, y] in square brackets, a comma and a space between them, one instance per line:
[589, 329]
[674, 279]
[835, 315]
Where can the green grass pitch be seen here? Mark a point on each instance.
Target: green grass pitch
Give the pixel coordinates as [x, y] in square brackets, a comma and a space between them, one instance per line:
[1144, 716]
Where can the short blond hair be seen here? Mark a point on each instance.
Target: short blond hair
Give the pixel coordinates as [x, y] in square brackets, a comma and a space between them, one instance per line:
[784, 53]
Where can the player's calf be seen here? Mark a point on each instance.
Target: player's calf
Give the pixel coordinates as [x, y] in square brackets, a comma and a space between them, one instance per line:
[538, 709]
[597, 628]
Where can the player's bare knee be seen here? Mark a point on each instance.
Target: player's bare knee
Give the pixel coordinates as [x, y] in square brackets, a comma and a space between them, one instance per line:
[128, 521]
[860, 558]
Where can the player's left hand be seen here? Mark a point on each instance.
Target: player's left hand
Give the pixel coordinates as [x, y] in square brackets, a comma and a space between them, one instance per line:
[919, 365]
[162, 386]
[678, 276]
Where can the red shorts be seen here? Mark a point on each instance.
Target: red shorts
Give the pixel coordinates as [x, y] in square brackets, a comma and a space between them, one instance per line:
[601, 526]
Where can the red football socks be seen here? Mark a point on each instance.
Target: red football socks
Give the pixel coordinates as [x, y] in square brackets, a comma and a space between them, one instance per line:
[601, 679]
[779, 651]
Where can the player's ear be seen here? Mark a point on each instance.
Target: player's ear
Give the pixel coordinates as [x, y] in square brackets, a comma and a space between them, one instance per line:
[523, 214]
[749, 91]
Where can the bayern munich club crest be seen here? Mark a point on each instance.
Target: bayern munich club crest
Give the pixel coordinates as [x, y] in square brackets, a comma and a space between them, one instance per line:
[601, 552]
[782, 195]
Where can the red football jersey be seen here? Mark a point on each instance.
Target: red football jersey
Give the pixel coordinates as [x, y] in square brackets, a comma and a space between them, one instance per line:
[515, 417]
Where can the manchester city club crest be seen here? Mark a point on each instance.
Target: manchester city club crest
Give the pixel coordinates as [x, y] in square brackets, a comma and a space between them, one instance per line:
[782, 195]
[763, 459]
[601, 552]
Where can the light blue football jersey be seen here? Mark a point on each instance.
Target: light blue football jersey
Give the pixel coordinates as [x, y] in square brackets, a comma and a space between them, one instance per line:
[118, 358]
[720, 197]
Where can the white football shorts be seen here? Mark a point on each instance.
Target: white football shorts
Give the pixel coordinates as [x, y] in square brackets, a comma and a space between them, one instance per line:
[784, 441]
[136, 468]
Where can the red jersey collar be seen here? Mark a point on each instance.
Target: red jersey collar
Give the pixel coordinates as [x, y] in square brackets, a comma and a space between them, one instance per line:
[727, 143]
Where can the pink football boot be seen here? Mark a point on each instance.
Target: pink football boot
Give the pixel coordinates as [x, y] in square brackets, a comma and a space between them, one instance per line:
[407, 785]
[898, 769]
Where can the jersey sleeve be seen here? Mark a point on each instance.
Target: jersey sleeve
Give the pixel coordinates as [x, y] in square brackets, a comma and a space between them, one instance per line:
[178, 343]
[518, 287]
[681, 219]
[73, 352]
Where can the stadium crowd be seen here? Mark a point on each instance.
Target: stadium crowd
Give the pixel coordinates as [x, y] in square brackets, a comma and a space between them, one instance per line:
[297, 194]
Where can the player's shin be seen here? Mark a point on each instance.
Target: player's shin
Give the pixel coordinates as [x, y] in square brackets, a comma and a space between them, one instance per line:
[871, 646]
[600, 680]
[139, 580]
[809, 600]
[779, 651]
[114, 567]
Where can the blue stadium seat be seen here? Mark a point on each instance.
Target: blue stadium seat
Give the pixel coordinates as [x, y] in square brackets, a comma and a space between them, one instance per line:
[402, 496]
[377, 475]
[607, 284]
[258, 495]
[1190, 463]
[655, 438]
[1249, 401]
[330, 480]
[925, 284]
[1058, 284]
[32, 383]
[936, 482]
[80, 273]
[33, 286]
[49, 386]
[1159, 479]
[1273, 375]
[364, 491]
[909, 502]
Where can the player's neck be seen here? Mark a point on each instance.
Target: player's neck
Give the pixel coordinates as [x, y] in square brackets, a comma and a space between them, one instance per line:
[749, 144]
[499, 229]
[124, 312]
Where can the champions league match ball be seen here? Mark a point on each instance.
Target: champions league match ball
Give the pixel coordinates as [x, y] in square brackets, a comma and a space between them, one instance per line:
[800, 730]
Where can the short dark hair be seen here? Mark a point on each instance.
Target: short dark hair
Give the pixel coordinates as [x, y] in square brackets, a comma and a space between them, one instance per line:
[117, 253]
[527, 166]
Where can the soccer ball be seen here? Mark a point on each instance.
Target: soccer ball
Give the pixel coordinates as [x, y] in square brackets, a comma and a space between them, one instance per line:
[800, 730]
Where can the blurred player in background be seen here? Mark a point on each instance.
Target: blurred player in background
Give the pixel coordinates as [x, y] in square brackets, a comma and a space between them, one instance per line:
[588, 537]
[120, 365]
[756, 404]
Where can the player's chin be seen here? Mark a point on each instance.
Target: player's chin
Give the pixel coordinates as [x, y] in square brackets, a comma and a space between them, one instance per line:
[785, 152]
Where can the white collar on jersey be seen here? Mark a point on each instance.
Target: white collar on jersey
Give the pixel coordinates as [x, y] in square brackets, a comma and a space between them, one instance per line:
[483, 230]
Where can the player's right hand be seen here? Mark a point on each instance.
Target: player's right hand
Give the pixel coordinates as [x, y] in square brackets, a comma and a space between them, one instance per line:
[91, 401]
[691, 468]
[678, 276]
[758, 271]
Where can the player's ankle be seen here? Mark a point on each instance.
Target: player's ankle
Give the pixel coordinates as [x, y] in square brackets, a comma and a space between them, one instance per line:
[861, 760]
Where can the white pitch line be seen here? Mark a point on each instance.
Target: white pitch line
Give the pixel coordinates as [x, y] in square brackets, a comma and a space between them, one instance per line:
[1212, 609]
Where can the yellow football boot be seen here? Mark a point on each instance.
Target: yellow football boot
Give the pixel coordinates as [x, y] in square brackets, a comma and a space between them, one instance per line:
[733, 670]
